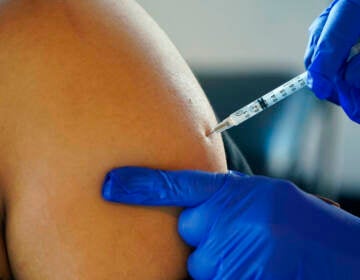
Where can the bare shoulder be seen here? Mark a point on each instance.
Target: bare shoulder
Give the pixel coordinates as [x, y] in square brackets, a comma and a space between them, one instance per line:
[70, 49]
[86, 86]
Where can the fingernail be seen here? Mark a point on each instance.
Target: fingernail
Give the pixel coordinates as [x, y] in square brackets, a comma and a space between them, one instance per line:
[115, 187]
[107, 188]
[127, 185]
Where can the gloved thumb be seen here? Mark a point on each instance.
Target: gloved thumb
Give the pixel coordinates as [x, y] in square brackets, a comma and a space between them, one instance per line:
[352, 72]
[144, 186]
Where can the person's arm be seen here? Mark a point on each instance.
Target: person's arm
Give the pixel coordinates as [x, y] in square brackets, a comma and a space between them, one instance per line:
[86, 86]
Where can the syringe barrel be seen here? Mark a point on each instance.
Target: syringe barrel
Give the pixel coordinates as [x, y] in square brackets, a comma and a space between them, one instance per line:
[269, 99]
[285, 90]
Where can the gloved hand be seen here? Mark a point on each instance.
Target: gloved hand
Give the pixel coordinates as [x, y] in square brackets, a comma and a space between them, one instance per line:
[246, 227]
[330, 76]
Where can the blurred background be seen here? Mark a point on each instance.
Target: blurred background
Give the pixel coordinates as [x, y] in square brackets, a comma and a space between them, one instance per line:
[239, 50]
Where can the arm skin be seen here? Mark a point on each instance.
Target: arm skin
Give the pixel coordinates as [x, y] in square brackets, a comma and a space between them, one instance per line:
[86, 86]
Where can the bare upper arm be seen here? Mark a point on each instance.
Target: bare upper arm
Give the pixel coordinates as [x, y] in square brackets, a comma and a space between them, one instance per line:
[87, 86]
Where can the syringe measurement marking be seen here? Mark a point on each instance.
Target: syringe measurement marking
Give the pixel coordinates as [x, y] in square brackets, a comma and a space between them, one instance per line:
[268, 100]
[262, 103]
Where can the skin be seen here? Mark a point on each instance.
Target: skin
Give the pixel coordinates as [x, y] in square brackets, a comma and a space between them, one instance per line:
[86, 86]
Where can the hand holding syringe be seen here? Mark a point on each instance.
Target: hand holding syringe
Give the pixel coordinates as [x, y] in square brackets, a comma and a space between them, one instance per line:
[269, 99]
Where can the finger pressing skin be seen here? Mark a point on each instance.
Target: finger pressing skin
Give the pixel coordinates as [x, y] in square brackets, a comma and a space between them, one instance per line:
[144, 186]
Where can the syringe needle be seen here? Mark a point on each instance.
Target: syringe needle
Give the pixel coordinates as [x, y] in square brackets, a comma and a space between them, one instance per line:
[222, 126]
[211, 132]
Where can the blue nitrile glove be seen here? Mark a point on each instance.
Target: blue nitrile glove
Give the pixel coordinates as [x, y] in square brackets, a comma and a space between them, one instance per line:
[246, 227]
[332, 35]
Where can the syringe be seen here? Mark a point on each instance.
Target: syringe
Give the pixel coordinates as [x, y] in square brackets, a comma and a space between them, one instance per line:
[262, 103]
[269, 99]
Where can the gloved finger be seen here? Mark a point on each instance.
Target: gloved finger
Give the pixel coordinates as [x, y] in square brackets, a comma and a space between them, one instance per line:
[340, 33]
[315, 30]
[321, 86]
[334, 97]
[195, 223]
[229, 254]
[348, 97]
[245, 255]
[144, 186]
[203, 263]
[221, 209]
[352, 72]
